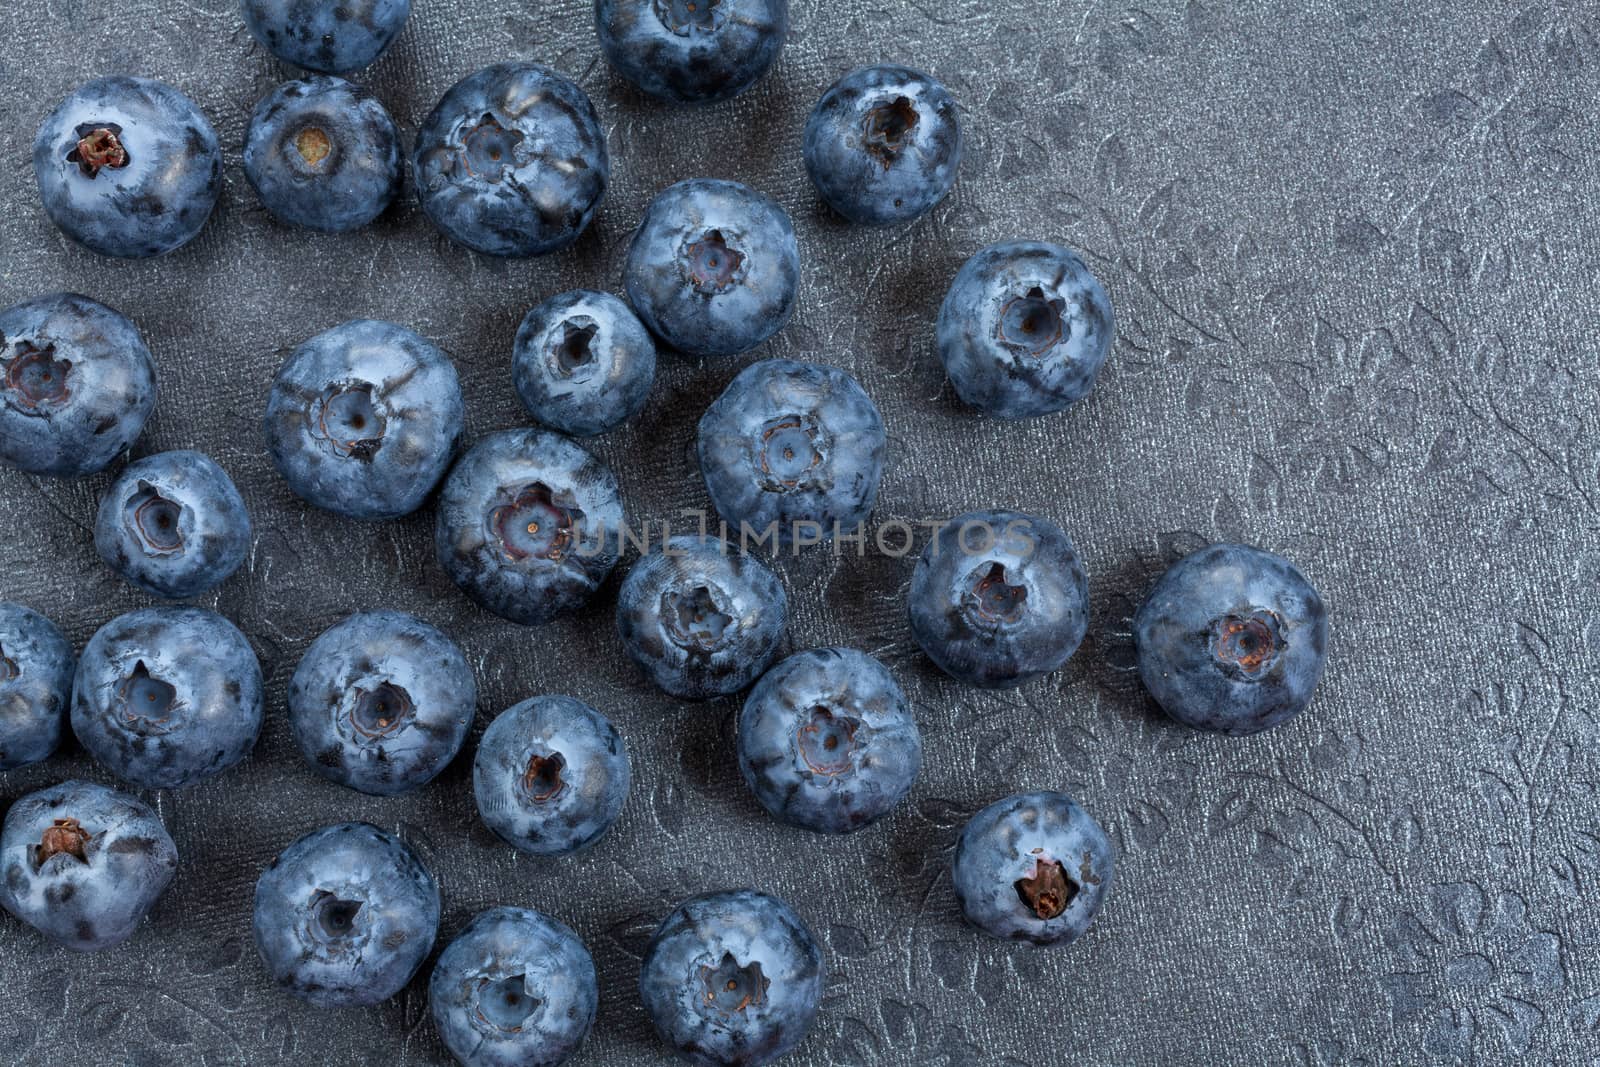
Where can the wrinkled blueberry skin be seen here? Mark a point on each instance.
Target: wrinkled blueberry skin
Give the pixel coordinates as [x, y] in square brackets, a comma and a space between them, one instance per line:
[381, 702]
[173, 524]
[883, 144]
[700, 617]
[1002, 603]
[510, 481]
[1232, 639]
[1024, 329]
[787, 444]
[713, 268]
[345, 916]
[151, 197]
[514, 989]
[512, 161]
[327, 36]
[1007, 842]
[364, 419]
[551, 775]
[36, 662]
[583, 363]
[95, 901]
[692, 53]
[167, 697]
[827, 741]
[749, 939]
[75, 425]
[324, 154]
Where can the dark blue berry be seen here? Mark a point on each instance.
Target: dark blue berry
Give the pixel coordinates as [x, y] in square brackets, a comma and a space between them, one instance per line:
[381, 702]
[328, 36]
[83, 864]
[732, 979]
[529, 525]
[1024, 329]
[514, 989]
[792, 449]
[512, 162]
[1033, 867]
[713, 268]
[998, 598]
[324, 154]
[551, 775]
[1232, 639]
[36, 664]
[702, 618]
[364, 419]
[128, 167]
[77, 387]
[692, 51]
[167, 697]
[583, 363]
[345, 915]
[883, 144]
[827, 741]
[173, 524]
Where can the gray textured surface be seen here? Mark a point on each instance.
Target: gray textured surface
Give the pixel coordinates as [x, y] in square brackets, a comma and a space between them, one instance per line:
[1353, 251]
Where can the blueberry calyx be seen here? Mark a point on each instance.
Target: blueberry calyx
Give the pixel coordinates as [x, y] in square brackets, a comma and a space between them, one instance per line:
[155, 520]
[147, 701]
[683, 17]
[1032, 322]
[1247, 644]
[828, 742]
[334, 916]
[99, 145]
[350, 420]
[693, 619]
[992, 599]
[36, 377]
[488, 148]
[63, 837]
[504, 1003]
[1047, 891]
[313, 145]
[534, 525]
[791, 452]
[381, 710]
[571, 352]
[8, 667]
[887, 128]
[731, 989]
[541, 780]
[714, 266]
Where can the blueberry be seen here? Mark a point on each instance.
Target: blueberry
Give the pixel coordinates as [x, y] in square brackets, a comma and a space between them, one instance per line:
[328, 36]
[529, 525]
[692, 51]
[713, 268]
[78, 387]
[364, 419]
[128, 167]
[514, 989]
[512, 162]
[323, 154]
[999, 598]
[381, 702]
[793, 450]
[173, 524]
[345, 916]
[1033, 867]
[827, 741]
[583, 363]
[883, 144]
[551, 775]
[167, 697]
[83, 864]
[732, 979]
[1024, 329]
[36, 663]
[1232, 639]
[701, 618]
